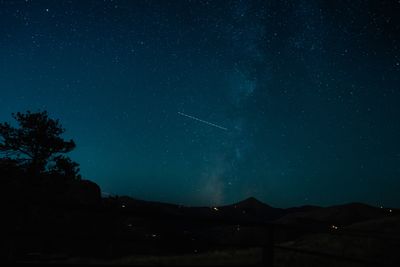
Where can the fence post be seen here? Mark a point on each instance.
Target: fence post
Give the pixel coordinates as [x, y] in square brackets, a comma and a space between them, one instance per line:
[11, 249]
[268, 248]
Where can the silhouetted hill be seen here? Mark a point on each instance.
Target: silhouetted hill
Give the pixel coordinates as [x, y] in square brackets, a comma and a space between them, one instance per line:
[382, 226]
[86, 224]
[373, 242]
[250, 210]
[305, 208]
[251, 202]
[128, 205]
[340, 215]
[246, 211]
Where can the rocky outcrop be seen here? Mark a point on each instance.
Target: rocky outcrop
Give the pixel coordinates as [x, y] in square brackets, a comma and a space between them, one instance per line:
[84, 192]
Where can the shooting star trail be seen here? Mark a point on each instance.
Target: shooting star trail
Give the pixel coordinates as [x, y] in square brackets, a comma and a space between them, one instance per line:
[206, 122]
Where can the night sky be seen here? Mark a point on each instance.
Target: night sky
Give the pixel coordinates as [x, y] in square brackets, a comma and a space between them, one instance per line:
[305, 93]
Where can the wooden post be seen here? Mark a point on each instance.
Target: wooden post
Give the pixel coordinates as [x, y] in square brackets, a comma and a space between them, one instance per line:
[11, 249]
[268, 248]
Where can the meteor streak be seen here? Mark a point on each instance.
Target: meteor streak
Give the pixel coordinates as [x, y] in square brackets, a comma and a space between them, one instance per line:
[206, 122]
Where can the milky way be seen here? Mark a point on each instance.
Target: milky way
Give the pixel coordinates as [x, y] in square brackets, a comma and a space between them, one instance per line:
[307, 90]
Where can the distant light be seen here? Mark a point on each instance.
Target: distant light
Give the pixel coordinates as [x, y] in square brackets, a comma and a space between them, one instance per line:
[381, 207]
[334, 227]
[154, 235]
[216, 209]
[238, 227]
[123, 206]
[390, 211]
[130, 225]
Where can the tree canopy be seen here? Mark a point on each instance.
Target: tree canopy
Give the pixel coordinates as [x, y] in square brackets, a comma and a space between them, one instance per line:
[36, 143]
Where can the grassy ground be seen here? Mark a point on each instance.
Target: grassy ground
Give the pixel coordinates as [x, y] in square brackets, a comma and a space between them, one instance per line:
[239, 257]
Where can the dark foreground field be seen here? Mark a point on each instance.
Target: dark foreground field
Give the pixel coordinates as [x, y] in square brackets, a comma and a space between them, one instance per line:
[88, 229]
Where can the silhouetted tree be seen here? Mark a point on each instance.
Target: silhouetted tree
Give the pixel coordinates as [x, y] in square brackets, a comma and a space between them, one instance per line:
[36, 142]
[65, 167]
